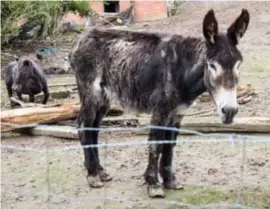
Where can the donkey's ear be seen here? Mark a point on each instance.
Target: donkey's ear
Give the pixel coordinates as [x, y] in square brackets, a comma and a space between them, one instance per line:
[239, 27]
[210, 27]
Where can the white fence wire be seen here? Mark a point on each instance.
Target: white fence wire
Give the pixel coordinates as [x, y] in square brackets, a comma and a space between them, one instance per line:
[231, 139]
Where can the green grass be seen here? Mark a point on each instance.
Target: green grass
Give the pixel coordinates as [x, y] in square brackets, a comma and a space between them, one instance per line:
[252, 197]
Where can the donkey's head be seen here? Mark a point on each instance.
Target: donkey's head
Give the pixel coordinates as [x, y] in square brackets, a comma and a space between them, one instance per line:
[223, 60]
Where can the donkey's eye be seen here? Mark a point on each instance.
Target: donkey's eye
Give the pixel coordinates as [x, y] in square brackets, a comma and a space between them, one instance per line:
[213, 66]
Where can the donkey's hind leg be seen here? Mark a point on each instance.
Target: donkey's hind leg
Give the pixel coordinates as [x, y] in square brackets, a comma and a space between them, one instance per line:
[86, 120]
[104, 176]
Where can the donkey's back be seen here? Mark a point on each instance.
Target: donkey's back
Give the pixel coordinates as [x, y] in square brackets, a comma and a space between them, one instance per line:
[128, 65]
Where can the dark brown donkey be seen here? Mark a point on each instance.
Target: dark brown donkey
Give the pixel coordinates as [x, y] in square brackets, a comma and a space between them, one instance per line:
[158, 73]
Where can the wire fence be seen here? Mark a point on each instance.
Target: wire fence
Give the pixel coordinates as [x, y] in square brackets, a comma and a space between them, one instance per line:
[216, 138]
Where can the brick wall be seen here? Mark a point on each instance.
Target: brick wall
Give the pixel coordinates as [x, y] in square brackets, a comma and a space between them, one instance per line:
[149, 10]
[143, 10]
[97, 6]
[124, 5]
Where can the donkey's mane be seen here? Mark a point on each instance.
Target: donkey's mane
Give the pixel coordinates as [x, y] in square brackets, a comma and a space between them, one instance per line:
[131, 35]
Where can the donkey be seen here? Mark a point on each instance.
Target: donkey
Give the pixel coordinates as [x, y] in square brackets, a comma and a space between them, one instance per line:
[157, 73]
[25, 76]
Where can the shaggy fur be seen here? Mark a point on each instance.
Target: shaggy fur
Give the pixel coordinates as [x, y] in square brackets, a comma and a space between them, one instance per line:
[158, 73]
[25, 76]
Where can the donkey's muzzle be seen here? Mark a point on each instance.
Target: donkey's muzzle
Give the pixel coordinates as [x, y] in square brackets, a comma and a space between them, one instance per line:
[228, 114]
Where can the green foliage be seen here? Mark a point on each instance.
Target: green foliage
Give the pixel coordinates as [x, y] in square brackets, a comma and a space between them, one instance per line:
[82, 7]
[44, 13]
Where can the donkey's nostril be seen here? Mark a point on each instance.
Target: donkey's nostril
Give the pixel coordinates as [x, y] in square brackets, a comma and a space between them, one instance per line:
[229, 110]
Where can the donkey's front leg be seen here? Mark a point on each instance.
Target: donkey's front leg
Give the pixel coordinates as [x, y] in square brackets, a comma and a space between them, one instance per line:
[151, 174]
[165, 168]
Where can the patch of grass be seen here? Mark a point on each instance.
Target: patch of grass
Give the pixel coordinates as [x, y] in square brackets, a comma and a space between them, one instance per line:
[257, 197]
[201, 196]
[252, 197]
[211, 195]
[80, 27]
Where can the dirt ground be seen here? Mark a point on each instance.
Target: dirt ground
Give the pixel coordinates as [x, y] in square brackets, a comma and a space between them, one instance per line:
[210, 172]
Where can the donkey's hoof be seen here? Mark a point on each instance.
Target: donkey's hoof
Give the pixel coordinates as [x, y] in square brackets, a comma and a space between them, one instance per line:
[155, 191]
[105, 176]
[173, 185]
[94, 181]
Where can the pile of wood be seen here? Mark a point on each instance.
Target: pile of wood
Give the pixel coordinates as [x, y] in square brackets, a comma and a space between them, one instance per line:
[245, 93]
[121, 18]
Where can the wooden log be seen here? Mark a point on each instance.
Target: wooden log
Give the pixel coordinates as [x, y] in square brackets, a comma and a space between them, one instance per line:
[244, 125]
[241, 125]
[202, 124]
[59, 131]
[67, 129]
[45, 114]
[37, 115]
[244, 99]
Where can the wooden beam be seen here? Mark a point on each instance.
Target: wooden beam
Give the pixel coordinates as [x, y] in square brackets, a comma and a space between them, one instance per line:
[121, 121]
[68, 130]
[241, 125]
[202, 124]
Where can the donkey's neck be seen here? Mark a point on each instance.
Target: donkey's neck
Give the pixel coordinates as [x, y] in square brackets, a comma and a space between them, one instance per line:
[193, 78]
[193, 85]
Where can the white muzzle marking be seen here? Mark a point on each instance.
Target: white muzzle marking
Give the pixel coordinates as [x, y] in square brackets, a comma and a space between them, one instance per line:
[226, 102]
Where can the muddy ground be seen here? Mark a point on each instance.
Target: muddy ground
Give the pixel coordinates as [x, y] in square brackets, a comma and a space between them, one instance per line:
[210, 172]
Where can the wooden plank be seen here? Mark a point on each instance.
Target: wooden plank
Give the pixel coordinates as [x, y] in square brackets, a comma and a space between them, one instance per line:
[109, 121]
[202, 124]
[57, 85]
[242, 125]
[67, 132]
